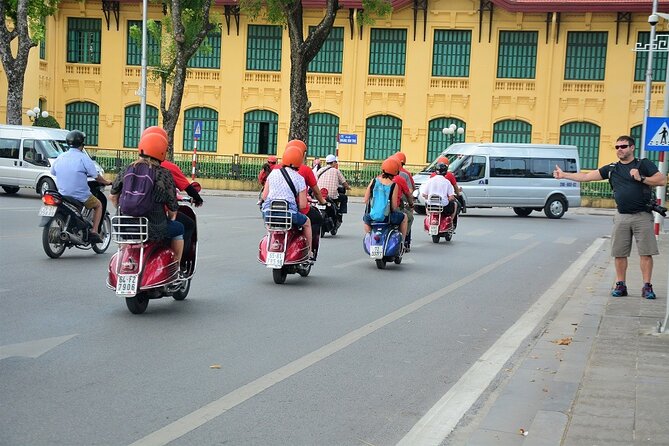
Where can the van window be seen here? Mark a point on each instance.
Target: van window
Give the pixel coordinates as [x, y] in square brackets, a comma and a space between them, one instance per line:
[468, 167]
[49, 148]
[508, 167]
[543, 167]
[9, 148]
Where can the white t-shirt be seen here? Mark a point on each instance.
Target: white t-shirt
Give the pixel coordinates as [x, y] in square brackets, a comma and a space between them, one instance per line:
[280, 190]
[438, 185]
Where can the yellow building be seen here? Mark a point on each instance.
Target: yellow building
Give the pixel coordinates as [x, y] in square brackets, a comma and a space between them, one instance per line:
[503, 70]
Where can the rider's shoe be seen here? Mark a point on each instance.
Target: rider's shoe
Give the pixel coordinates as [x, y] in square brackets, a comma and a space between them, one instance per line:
[94, 237]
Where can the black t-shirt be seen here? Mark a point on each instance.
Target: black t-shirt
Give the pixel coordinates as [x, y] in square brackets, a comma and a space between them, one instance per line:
[631, 195]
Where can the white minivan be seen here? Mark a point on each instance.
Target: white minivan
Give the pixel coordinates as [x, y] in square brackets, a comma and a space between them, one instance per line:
[26, 154]
[519, 176]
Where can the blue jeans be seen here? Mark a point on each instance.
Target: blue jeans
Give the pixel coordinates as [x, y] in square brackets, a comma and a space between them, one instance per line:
[175, 230]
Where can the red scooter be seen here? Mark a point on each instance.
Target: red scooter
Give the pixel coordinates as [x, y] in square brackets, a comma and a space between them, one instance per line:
[284, 249]
[436, 224]
[142, 270]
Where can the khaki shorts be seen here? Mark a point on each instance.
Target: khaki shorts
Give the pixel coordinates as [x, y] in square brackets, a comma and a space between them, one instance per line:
[639, 226]
[92, 202]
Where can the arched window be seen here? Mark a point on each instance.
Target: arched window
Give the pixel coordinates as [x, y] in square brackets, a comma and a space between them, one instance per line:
[323, 130]
[585, 136]
[512, 131]
[383, 137]
[437, 141]
[635, 132]
[209, 139]
[260, 132]
[131, 128]
[84, 116]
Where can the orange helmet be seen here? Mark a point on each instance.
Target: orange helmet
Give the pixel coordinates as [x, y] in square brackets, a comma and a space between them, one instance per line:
[155, 129]
[443, 159]
[292, 157]
[299, 143]
[153, 145]
[391, 166]
[401, 157]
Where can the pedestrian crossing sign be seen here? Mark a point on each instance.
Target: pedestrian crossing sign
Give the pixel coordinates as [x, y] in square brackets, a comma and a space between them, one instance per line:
[657, 134]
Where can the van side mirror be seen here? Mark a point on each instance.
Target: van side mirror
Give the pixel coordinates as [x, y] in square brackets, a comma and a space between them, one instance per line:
[39, 158]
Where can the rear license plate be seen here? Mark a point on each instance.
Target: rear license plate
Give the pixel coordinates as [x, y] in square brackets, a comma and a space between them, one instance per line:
[47, 211]
[275, 259]
[376, 251]
[434, 229]
[126, 285]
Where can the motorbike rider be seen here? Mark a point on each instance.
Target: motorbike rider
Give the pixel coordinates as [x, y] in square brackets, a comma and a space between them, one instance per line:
[270, 164]
[389, 169]
[152, 150]
[405, 182]
[439, 185]
[277, 188]
[182, 184]
[314, 214]
[450, 177]
[331, 178]
[72, 170]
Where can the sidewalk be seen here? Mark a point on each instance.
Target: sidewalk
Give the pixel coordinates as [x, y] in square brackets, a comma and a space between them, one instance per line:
[608, 384]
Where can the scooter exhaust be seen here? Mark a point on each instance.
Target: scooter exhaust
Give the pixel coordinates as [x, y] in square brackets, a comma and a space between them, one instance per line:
[71, 238]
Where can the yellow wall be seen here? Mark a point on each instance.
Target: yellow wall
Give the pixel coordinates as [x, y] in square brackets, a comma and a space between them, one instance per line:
[547, 102]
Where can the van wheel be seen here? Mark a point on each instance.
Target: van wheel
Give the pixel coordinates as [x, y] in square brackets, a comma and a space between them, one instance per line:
[44, 185]
[10, 190]
[522, 212]
[555, 207]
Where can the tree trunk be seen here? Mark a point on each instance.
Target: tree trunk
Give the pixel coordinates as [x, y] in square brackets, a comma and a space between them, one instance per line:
[15, 67]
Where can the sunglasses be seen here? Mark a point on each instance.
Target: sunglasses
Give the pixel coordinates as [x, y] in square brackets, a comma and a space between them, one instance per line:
[622, 146]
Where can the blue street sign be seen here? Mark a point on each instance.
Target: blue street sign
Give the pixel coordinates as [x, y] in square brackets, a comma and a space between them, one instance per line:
[197, 129]
[657, 134]
[348, 138]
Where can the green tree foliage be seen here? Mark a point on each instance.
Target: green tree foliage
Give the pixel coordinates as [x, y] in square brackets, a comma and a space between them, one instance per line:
[21, 30]
[289, 13]
[49, 121]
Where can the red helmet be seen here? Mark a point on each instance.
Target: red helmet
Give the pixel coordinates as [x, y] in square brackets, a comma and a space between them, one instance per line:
[153, 145]
[391, 166]
[299, 143]
[155, 129]
[401, 157]
[272, 159]
[292, 157]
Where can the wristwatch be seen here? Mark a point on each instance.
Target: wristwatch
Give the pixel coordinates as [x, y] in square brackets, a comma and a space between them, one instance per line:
[642, 178]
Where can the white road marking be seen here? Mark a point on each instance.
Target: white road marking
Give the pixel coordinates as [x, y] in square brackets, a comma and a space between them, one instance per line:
[353, 262]
[478, 233]
[216, 408]
[442, 418]
[32, 349]
[522, 236]
[565, 240]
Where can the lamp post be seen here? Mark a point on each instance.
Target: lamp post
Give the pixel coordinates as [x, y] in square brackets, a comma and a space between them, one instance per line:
[35, 113]
[451, 131]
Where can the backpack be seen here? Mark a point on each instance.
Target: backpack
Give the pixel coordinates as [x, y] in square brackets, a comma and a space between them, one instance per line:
[136, 197]
[379, 199]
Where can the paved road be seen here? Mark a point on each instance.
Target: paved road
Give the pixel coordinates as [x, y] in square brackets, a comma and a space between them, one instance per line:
[349, 355]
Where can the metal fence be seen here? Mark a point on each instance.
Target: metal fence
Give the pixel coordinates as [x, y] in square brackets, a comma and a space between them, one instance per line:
[246, 168]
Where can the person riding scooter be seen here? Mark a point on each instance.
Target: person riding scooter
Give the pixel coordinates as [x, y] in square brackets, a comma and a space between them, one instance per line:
[439, 185]
[152, 150]
[450, 177]
[287, 184]
[331, 178]
[381, 197]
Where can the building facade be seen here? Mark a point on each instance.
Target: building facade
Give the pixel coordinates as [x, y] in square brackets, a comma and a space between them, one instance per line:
[502, 70]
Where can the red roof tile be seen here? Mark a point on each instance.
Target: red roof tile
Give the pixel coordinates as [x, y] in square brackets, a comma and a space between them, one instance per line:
[581, 5]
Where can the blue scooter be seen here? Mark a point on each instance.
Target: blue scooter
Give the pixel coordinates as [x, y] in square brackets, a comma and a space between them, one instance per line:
[384, 244]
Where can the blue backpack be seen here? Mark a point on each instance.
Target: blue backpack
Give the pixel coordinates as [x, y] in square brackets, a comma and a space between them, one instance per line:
[379, 198]
[136, 197]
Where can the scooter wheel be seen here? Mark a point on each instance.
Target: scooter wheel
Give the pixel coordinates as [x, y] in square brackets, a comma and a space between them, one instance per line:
[381, 263]
[448, 237]
[279, 275]
[435, 239]
[334, 231]
[182, 292]
[137, 304]
[397, 260]
[304, 271]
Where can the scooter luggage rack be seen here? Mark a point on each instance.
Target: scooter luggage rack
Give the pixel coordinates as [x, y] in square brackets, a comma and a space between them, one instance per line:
[278, 216]
[434, 204]
[129, 230]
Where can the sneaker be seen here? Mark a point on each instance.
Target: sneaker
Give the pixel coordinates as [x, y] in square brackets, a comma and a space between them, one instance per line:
[94, 237]
[620, 290]
[647, 291]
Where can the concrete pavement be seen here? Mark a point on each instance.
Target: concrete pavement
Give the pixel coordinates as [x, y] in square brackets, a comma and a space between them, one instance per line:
[598, 374]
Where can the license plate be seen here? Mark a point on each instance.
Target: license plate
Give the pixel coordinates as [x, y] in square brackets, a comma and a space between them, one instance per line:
[434, 229]
[376, 251]
[275, 259]
[126, 285]
[47, 211]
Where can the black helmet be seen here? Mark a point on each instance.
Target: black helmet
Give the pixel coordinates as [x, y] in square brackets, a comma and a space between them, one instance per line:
[441, 168]
[75, 138]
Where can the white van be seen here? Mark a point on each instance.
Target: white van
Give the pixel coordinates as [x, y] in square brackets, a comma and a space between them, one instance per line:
[26, 154]
[511, 175]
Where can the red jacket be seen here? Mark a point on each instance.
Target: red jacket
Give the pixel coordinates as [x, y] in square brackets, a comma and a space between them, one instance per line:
[180, 179]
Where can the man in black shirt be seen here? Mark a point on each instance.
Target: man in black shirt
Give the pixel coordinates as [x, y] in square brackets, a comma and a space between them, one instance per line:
[631, 180]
